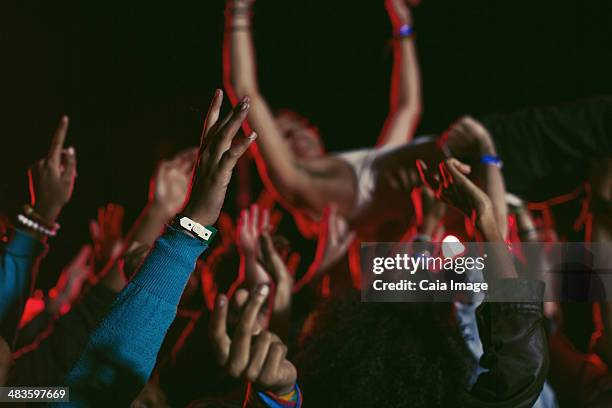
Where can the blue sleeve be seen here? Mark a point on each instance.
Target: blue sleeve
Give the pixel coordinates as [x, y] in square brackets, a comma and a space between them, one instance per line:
[122, 350]
[17, 269]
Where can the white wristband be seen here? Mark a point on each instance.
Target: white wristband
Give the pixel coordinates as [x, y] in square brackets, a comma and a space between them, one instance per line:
[196, 228]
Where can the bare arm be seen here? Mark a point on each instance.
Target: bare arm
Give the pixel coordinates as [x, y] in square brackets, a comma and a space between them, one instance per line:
[406, 99]
[457, 189]
[275, 159]
[469, 139]
[308, 185]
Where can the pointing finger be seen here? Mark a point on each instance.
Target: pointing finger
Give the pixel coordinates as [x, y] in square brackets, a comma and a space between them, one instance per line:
[57, 143]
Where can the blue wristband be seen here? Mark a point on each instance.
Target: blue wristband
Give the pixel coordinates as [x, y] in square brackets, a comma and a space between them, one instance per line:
[405, 31]
[492, 160]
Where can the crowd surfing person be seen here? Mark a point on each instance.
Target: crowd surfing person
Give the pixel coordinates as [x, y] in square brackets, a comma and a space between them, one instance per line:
[110, 328]
[290, 154]
[371, 187]
[121, 351]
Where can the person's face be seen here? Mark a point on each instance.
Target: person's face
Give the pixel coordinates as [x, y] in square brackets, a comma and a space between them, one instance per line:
[302, 137]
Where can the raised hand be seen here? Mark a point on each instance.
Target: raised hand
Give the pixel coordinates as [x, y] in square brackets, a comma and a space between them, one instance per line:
[338, 237]
[52, 177]
[399, 11]
[280, 319]
[467, 138]
[450, 183]
[257, 356]
[217, 157]
[250, 228]
[274, 263]
[106, 234]
[170, 184]
[71, 281]
[334, 240]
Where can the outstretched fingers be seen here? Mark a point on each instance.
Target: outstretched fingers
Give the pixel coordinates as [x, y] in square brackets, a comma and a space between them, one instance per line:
[428, 177]
[240, 348]
[231, 156]
[57, 143]
[212, 116]
[228, 128]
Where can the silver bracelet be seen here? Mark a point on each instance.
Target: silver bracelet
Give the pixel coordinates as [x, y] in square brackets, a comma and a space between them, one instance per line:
[33, 225]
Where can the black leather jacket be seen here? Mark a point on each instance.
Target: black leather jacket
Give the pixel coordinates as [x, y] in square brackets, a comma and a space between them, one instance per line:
[515, 348]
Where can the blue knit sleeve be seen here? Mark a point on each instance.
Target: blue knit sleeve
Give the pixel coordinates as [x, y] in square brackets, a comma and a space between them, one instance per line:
[17, 267]
[122, 351]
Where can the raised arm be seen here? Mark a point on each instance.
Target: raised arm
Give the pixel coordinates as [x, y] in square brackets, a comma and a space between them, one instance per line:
[514, 340]
[122, 351]
[470, 141]
[406, 100]
[51, 182]
[298, 183]
[275, 160]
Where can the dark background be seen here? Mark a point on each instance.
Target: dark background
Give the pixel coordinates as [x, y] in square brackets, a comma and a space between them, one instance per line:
[135, 77]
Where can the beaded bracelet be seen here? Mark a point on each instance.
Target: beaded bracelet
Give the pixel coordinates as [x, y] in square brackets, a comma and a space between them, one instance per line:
[33, 225]
[31, 213]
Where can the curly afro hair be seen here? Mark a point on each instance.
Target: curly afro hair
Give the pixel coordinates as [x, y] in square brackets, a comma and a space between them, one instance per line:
[384, 355]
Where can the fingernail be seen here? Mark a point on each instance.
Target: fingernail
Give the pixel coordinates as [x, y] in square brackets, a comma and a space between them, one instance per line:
[246, 99]
[218, 92]
[253, 136]
[263, 289]
[64, 118]
[70, 151]
[245, 106]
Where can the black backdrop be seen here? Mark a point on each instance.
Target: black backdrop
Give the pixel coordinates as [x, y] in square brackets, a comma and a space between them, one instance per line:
[136, 76]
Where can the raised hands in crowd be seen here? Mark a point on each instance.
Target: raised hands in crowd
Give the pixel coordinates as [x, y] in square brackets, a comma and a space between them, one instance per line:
[469, 140]
[109, 321]
[252, 353]
[51, 182]
[216, 160]
[107, 234]
[333, 243]
[251, 226]
[52, 178]
[71, 281]
[450, 182]
[170, 185]
[263, 264]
